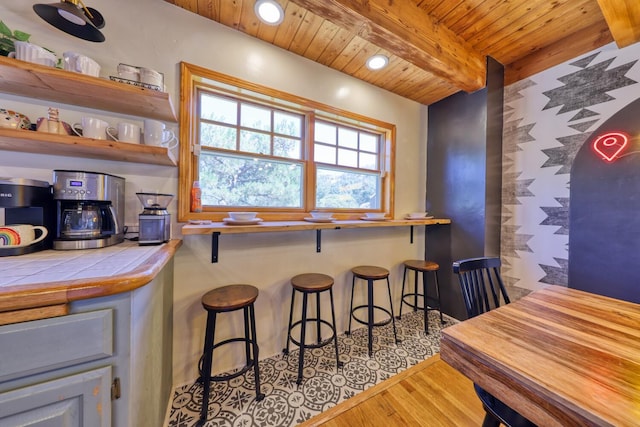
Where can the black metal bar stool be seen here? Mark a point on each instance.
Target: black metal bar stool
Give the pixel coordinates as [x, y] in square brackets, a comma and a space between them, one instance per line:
[311, 283]
[370, 274]
[421, 266]
[223, 300]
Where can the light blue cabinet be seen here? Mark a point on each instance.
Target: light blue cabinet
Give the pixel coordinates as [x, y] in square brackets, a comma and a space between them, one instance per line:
[64, 370]
[60, 371]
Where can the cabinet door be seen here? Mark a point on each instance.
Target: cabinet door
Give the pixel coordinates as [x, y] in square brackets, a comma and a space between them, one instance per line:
[78, 400]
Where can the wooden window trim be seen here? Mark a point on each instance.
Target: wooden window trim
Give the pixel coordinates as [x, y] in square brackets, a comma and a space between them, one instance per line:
[193, 75]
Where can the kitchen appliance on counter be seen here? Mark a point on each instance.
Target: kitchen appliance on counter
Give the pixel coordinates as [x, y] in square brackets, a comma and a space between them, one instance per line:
[155, 221]
[27, 201]
[89, 209]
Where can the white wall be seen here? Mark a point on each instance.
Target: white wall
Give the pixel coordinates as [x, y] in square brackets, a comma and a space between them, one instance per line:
[158, 35]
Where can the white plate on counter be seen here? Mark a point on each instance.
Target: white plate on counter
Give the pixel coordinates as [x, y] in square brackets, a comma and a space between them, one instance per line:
[311, 219]
[231, 221]
[419, 217]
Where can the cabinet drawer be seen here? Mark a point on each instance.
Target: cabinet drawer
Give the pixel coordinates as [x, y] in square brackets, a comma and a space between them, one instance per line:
[33, 347]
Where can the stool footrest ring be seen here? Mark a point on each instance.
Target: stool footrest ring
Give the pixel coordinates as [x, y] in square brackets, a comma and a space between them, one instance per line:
[319, 344]
[230, 376]
[418, 306]
[380, 323]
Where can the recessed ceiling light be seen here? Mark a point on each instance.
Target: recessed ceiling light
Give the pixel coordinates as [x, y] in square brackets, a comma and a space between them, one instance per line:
[269, 11]
[377, 62]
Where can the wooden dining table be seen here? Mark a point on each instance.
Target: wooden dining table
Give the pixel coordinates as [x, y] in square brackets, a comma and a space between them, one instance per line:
[558, 356]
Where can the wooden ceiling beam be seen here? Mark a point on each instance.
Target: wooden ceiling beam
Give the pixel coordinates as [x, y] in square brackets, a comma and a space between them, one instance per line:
[580, 42]
[623, 18]
[406, 30]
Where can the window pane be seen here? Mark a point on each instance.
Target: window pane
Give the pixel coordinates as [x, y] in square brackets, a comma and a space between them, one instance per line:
[255, 117]
[246, 182]
[325, 133]
[342, 189]
[217, 136]
[368, 161]
[347, 138]
[286, 147]
[219, 109]
[287, 124]
[348, 158]
[369, 142]
[253, 142]
[324, 154]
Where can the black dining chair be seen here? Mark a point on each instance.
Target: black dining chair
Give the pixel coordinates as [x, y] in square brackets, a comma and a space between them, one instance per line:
[483, 290]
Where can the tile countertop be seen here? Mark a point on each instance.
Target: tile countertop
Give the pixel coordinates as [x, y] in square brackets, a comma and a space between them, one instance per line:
[58, 277]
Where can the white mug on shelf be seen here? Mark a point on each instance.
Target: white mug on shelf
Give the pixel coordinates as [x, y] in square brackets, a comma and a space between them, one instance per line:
[91, 127]
[152, 77]
[81, 64]
[156, 134]
[126, 132]
[129, 72]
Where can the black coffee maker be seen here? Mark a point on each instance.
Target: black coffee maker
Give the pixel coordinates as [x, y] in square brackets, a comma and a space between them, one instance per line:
[27, 201]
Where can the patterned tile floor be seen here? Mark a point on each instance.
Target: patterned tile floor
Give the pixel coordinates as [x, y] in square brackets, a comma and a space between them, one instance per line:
[233, 404]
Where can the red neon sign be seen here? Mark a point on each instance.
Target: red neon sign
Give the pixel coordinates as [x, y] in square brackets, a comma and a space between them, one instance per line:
[610, 145]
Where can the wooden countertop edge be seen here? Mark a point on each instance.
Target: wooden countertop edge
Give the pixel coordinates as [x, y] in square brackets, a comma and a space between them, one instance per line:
[279, 226]
[348, 404]
[21, 297]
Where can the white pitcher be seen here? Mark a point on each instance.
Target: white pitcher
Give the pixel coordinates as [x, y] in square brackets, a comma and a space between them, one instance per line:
[81, 64]
[30, 52]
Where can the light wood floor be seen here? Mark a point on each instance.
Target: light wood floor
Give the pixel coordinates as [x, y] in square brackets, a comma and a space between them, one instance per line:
[431, 393]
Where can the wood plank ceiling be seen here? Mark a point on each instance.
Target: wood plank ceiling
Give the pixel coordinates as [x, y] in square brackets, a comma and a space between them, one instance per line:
[435, 47]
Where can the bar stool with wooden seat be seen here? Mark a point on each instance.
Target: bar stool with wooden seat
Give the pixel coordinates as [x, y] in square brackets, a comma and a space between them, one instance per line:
[307, 284]
[424, 267]
[224, 300]
[371, 273]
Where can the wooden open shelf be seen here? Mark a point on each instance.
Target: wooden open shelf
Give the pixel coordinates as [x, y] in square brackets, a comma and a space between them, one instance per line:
[279, 226]
[75, 146]
[218, 228]
[47, 83]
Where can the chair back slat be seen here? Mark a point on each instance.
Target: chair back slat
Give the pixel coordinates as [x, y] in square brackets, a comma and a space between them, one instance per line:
[481, 284]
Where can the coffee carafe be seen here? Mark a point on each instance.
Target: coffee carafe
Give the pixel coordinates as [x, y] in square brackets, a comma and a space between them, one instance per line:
[90, 209]
[81, 220]
[155, 221]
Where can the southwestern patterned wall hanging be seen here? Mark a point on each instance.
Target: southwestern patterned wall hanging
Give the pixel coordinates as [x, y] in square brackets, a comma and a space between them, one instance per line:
[548, 118]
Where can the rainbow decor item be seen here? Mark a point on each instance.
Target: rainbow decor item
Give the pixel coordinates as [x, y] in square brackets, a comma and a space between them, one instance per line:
[9, 237]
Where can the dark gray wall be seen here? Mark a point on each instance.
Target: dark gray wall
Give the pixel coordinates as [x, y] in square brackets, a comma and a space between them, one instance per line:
[464, 180]
[604, 214]
[493, 187]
